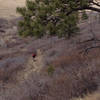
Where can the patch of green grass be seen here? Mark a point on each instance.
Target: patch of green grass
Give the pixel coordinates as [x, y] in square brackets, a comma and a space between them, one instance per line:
[50, 70]
[84, 16]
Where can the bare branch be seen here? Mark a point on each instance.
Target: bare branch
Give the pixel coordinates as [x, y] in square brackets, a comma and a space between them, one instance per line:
[89, 48]
[83, 8]
[96, 3]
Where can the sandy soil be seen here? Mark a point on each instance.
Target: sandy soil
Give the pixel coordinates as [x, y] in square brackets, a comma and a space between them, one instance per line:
[8, 8]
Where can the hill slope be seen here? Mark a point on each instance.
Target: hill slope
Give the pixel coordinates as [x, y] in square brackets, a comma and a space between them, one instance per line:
[61, 69]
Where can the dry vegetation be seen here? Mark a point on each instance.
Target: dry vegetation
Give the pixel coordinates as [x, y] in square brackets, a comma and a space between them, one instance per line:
[93, 96]
[73, 74]
[76, 75]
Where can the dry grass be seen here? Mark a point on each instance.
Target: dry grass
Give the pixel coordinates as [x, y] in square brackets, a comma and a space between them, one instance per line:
[8, 73]
[76, 74]
[77, 58]
[94, 96]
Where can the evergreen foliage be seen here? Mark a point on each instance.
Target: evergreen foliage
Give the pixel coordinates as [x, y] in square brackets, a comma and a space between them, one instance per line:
[50, 70]
[84, 15]
[50, 17]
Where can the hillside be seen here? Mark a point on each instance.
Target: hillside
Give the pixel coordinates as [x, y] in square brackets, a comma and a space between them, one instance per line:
[64, 69]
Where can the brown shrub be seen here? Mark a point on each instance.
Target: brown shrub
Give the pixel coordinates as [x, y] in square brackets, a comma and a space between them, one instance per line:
[81, 75]
[8, 73]
[93, 96]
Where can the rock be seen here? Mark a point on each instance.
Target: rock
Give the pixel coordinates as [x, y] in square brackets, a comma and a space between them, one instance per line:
[2, 43]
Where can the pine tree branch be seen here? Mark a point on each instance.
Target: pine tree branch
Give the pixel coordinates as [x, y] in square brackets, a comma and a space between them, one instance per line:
[83, 8]
[97, 4]
[89, 48]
